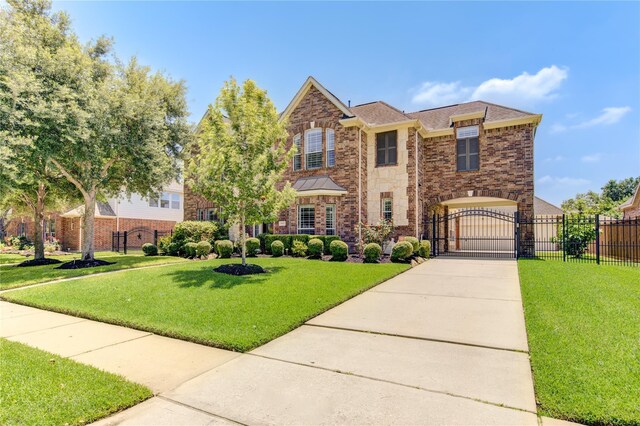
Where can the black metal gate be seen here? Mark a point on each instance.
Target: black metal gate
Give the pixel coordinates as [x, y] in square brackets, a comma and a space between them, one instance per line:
[474, 232]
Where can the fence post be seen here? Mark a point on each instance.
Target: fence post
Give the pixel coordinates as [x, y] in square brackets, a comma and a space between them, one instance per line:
[598, 239]
[433, 235]
[155, 237]
[125, 242]
[564, 238]
[516, 233]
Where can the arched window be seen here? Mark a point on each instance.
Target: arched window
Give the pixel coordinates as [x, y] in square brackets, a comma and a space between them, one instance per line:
[313, 149]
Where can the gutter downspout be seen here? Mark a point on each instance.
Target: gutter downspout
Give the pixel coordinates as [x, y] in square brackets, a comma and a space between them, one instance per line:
[359, 184]
[417, 202]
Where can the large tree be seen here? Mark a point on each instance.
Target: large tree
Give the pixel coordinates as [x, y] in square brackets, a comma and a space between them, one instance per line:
[620, 190]
[606, 203]
[240, 156]
[39, 105]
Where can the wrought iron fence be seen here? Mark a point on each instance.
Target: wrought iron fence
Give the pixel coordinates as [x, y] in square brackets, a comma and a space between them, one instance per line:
[123, 240]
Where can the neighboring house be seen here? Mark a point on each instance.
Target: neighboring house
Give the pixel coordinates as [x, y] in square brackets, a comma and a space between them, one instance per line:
[631, 208]
[138, 216]
[373, 161]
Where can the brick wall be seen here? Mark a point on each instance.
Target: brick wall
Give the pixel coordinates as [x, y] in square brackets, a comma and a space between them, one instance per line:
[71, 230]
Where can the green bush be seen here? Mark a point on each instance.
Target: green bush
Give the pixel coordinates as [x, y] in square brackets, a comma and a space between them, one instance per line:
[190, 250]
[203, 248]
[316, 248]
[425, 249]
[163, 244]
[253, 245]
[149, 249]
[285, 239]
[224, 248]
[372, 253]
[326, 241]
[339, 250]
[277, 248]
[414, 243]
[194, 230]
[401, 251]
[299, 249]
[266, 240]
[173, 249]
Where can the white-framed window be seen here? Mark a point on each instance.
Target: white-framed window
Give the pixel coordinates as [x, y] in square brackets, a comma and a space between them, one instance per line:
[165, 200]
[467, 147]
[306, 219]
[297, 159]
[331, 148]
[330, 222]
[49, 229]
[313, 149]
[387, 209]
[175, 201]
[200, 214]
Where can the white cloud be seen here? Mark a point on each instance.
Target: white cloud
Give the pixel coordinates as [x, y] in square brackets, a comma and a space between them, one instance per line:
[608, 116]
[592, 158]
[522, 90]
[562, 181]
[555, 159]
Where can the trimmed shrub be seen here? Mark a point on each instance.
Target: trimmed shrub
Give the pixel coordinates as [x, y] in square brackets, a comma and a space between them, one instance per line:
[203, 248]
[266, 240]
[224, 248]
[372, 253]
[194, 230]
[190, 250]
[277, 248]
[414, 243]
[163, 244]
[339, 250]
[285, 239]
[326, 241]
[401, 251]
[299, 249]
[173, 249]
[425, 249]
[253, 245]
[149, 249]
[316, 248]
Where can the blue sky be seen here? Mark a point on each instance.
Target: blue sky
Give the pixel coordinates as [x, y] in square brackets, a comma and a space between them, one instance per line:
[576, 63]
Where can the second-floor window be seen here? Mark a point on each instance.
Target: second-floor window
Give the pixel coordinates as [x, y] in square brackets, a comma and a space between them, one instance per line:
[386, 148]
[297, 159]
[331, 148]
[468, 157]
[313, 149]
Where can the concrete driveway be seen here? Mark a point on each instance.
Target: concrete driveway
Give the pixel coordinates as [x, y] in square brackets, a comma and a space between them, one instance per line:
[443, 343]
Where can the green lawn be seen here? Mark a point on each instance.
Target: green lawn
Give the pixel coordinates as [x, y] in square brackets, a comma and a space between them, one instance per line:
[39, 388]
[12, 276]
[7, 258]
[583, 324]
[192, 302]
[11, 258]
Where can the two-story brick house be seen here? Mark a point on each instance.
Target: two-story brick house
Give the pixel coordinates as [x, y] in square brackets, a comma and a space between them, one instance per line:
[373, 161]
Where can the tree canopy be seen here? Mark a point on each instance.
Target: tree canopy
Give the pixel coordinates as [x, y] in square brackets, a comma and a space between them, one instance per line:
[606, 203]
[240, 156]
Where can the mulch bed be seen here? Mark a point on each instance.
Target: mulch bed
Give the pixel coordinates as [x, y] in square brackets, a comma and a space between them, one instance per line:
[238, 269]
[38, 262]
[79, 264]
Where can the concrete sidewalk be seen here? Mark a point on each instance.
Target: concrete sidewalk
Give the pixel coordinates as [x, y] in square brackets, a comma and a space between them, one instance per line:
[443, 343]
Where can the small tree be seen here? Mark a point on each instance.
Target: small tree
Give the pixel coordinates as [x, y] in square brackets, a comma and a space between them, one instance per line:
[238, 161]
[378, 234]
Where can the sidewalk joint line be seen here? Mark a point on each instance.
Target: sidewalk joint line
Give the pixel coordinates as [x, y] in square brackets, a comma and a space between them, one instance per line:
[443, 295]
[348, 373]
[199, 409]
[428, 339]
[110, 345]
[45, 329]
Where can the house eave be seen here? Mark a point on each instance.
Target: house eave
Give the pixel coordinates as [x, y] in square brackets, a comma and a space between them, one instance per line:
[530, 119]
[319, 192]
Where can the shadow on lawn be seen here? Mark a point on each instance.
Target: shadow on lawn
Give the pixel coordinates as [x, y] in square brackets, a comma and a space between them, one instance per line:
[206, 276]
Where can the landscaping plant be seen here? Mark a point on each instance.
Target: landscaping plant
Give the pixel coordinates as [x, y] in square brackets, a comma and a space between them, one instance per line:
[299, 249]
[379, 234]
[316, 248]
[190, 250]
[339, 250]
[253, 245]
[401, 251]
[425, 249]
[240, 157]
[149, 249]
[277, 248]
[224, 248]
[414, 243]
[203, 248]
[372, 253]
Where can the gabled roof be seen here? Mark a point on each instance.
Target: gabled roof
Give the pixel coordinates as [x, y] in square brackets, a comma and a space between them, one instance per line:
[543, 207]
[630, 202]
[379, 112]
[309, 82]
[440, 118]
[102, 210]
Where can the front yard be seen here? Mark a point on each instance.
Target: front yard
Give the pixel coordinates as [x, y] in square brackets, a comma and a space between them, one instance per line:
[13, 277]
[39, 388]
[190, 301]
[583, 325]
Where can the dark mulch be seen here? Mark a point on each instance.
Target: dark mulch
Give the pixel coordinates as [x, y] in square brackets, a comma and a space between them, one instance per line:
[238, 269]
[79, 264]
[39, 262]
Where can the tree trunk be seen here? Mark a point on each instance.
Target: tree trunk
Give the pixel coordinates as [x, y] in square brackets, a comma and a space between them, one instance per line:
[88, 225]
[38, 219]
[243, 241]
